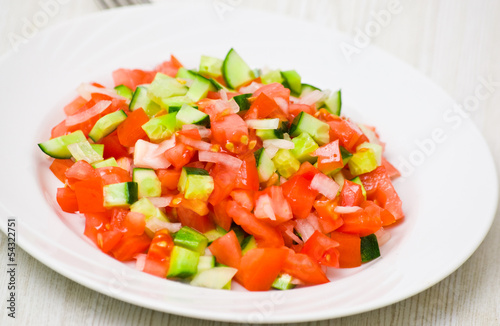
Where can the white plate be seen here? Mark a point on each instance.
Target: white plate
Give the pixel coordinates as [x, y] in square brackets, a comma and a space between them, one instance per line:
[449, 208]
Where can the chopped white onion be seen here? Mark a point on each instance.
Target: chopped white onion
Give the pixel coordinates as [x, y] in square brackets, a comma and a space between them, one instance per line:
[145, 157]
[98, 108]
[263, 123]
[165, 145]
[235, 108]
[313, 220]
[304, 228]
[264, 208]
[271, 150]
[282, 103]
[325, 186]
[250, 88]
[280, 143]
[312, 98]
[204, 132]
[282, 180]
[382, 236]
[228, 160]
[196, 144]
[140, 262]
[372, 136]
[293, 236]
[86, 90]
[347, 209]
[125, 163]
[163, 201]
[154, 224]
[223, 94]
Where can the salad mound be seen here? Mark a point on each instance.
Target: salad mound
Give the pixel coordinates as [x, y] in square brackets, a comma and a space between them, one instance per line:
[224, 173]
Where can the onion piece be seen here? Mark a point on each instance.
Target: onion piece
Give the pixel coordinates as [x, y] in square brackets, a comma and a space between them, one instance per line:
[250, 88]
[304, 228]
[347, 209]
[154, 224]
[223, 94]
[235, 108]
[86, 90]
[165, 145]
[125, 163]
[163, 201]
[325, 186]
[293, 236]
[140, 262]
[145, 157]
[280, 143]
[271, 151]
[98, 108]
[196, 144]
[282, 103]
[265, 124]
[204, 132]
[312, 98]
[264, 208]
[382, 236]
[226, 159]
[313, 220]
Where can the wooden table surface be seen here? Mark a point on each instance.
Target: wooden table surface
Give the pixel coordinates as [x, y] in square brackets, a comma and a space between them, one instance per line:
[454, 43]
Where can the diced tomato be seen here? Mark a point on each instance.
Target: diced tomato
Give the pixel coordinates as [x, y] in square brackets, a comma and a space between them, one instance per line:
[264, 107]
[221, 217]
[351, 194]
[169, 178]
[379, 188]
[128, 247]
[134, 223]
[274, 91]
[349, 249]
[130, 131]
[328, 219]
[113, 147]
[298, 193]
[329, 157]
[322, 249]
[392, 172]
[59, 168]
[280, 206]
[59, 130]
[259, 268]
[190, 133]
[348, 134]
[66, 198]
[304, 268]
[230, 128]
[107, 240]
[266, 236]
[248, 177]
[224, 178]
[169, 68]
[133, 78]
[294, 109]
[158, 258]
[362, 223]
[75, 105]
[96, 223]
[227, 250]
[308, 170]
[89, 195]
[113, 174]
[195, 221]
[200, 207]
[244, 198]
[81, 170]
[179, 155]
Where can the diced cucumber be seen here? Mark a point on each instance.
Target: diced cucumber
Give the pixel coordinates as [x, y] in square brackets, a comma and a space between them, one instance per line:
[269, 134]
[357, 180]
[140, 99]
[147, 181]
[164, 87]
[346, 155]
[120, 194]
[191, 239]
[242, 101]
[376, 148]
[215, 278]
[185, 74]
[106, 125]
[58, 147]
[218, 86]
[319, 130]
[247, 244]
[334, 103]
[206, 263]
[363, 161]
[200, 88]
[306, 89]
[124, 91]
[235, 71]
[286, 164]
[195, 183]
[210, 66]
[304, 146]
[153, 215]
[84, 151]
[183, 263]
[161, 128]
[174, 104]
[189, 115]
[273, 76]
[108, 162]
[369, 248]
[283, 282]
[265, 166]
[99, 148]
[215, 234]
[292, 81]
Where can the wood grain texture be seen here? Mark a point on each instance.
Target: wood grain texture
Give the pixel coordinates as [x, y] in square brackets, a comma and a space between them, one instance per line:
[454, 43]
